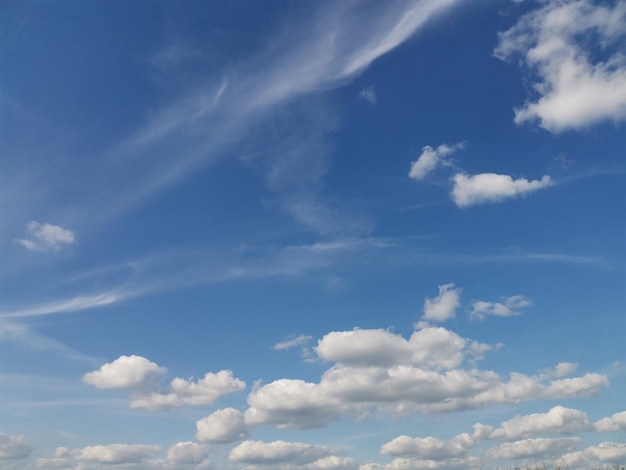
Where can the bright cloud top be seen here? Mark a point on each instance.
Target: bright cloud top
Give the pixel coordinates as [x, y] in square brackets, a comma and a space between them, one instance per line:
[141, 376]
[554, 41]
[471, 190]
[226, 425]
[430, 158]
[46, 237]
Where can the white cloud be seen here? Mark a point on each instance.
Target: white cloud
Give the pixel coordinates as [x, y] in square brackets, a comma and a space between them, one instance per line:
[292, 342]
[429, 347]
[430, 158]
[556, 41]
[559, 420]
[510, 306]
[124, 372]
[470, 190]
[222, 426]
[435, 449]
[423, 374]
[142, 377]
[276, 452]
[605, 452]
[534, 449]
[46, 237]
[443, 307]
[13, 447]
[116, 453]
[617, 422]
[187, 453]
[368, 94]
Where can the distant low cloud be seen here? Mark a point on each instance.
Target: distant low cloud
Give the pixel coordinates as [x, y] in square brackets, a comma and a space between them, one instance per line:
[186, 453]
[559, 420]
[13, 447]
[535, 449]
[430, 158]
[277, 452]
[46, 237]
[509, 307]
[471, 190]
[443, 307]
[556, 41]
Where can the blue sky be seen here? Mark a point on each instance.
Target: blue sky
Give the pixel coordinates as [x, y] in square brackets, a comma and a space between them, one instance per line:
[324, 235]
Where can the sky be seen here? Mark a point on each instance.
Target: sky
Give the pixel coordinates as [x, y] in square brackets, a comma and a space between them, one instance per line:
[331, 235]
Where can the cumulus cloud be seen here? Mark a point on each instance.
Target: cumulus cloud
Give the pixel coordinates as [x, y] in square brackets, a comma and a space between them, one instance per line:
[13, 447]
[429, 347]
[397, 376]
[434, 449]
[574, 88]
[116, 453]
[142, 377]
[46, 237]
[187, 453]
[617, 422]
[277, 452]
[536, 449]
[604, 453]
[559, 420]
[471, 190]
[510, 306]
[443, 307]
[430, 158]
[222, 426]
[124, 372]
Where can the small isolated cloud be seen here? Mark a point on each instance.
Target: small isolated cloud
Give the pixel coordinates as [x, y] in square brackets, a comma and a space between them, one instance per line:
[13, 447]
[222, 426]
[443, 307]
[471, 190]
[510, 306]
[46, 237]
[292, 342]
[555, 42]
[141, 376]
[368, 94]
[430, 158]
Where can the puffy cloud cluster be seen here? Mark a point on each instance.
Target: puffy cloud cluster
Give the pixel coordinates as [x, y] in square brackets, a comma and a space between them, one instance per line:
[559, 420]
[46, 237]
[141, 376]
[555, 41]
[379, 370]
